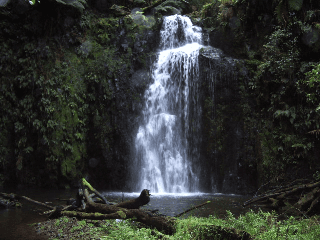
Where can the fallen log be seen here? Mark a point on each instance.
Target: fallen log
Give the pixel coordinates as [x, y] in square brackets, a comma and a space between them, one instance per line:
[162, 224]
[282, 192]
[165, 224]
[136, 203]
[302, 198]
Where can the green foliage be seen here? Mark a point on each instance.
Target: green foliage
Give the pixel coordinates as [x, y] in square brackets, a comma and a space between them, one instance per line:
[228, 1]
[54, 94]
[208, 9]
[260, 225]
[142, 20]
[312, 83]
[208, 12]
[281, 54]
[264, 225]
[169, 7]
[282, 146]
[295, 4]
[64, 129]
[284, 107]
[198, 4]
[125, 230]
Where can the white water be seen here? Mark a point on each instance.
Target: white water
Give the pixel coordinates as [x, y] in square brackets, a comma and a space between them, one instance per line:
[162, 163]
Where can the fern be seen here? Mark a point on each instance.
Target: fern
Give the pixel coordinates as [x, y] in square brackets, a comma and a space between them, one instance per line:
[280, 9]
[316, 132]
[169, 6]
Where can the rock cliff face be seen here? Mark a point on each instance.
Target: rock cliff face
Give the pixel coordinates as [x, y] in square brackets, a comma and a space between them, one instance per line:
[74, 85]
[124, 116]
[223, 154]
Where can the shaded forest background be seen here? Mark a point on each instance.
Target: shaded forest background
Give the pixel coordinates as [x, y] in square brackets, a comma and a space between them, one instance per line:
[73, 74]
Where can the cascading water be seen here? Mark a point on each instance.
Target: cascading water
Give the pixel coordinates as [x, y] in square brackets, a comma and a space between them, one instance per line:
[165, 160]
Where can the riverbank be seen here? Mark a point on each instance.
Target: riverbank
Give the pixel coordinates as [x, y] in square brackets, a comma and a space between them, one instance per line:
[252, 225]
[15, 223]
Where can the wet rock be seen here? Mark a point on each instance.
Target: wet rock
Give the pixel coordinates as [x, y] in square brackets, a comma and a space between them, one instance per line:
[220, 86]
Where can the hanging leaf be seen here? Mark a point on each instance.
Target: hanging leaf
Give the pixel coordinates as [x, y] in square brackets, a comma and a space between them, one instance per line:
[19, 162]
[28, 149]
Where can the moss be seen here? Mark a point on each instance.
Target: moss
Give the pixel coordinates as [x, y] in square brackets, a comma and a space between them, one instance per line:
[97, 214]
[122, 214]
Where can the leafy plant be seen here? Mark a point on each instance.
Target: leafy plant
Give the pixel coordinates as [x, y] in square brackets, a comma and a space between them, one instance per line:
[295, 4]
[169, 6]
[313, 83]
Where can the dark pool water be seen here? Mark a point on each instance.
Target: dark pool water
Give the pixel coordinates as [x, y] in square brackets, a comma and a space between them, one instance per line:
[15, 223]
[173, 204]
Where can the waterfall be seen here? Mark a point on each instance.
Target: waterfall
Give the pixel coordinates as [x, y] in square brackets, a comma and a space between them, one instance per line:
[165, 158]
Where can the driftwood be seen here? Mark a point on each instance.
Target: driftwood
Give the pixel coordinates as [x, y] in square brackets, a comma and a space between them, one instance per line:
[88, 185]
[14, 197]
[302, 198]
